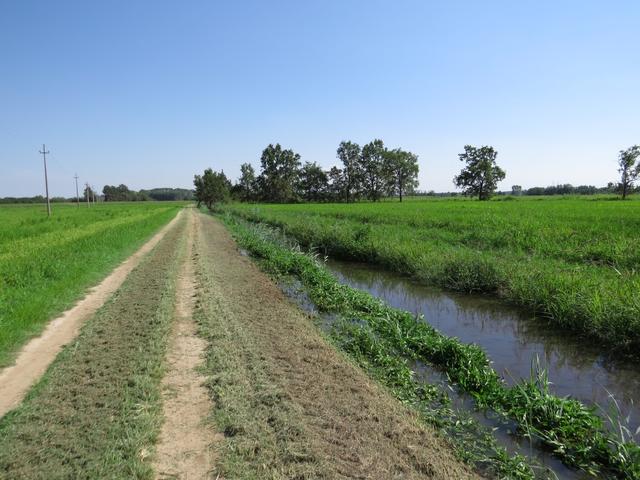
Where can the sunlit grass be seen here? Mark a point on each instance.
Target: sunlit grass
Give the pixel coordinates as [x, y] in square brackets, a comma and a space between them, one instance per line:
[46, 264]
[574, 261]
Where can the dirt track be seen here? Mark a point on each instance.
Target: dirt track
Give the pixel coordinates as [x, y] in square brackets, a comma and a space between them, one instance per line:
[184, 445]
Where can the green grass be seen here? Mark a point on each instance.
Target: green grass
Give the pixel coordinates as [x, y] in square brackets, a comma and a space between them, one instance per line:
[572, 260]
[96, 413]
[47, 264]
[386, 338]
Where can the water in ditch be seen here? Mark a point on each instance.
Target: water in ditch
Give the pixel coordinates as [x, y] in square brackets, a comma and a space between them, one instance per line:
[504, 431]
[512, 340]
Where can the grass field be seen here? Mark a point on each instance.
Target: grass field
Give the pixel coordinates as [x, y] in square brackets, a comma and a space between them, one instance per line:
[46, 264]
[572, 260]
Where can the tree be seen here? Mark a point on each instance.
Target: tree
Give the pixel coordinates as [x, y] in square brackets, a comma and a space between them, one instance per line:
[372, 168]
[628, 169]
[280, 169]
[247, 182]
[88, 194]
[402, 171]
[336, 188]
[481, 175]
[349, 155]
[312, 182]
[516, 190]
[121, 193]
[212, 187]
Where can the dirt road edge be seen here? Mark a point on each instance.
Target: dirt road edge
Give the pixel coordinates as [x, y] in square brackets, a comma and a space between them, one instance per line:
[35, 357]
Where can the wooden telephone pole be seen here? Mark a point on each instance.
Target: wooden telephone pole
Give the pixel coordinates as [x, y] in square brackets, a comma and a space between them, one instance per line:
[44, 153]
[77, 194]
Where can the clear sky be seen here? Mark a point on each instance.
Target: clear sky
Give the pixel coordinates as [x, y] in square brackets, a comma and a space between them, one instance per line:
[147, 93]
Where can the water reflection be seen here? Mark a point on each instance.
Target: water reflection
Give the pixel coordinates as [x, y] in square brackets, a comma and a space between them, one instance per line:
[510, 338]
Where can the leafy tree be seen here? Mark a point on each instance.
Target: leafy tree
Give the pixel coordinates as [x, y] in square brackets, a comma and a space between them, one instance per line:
[88, 194]
[336, 189]
[280, 169]
[313, 182]
[247, 182]
[516, 190]
[349, 155]
[481, 175]
[402, 171]
[372, 168]
[628, 169]
[212, 187]
[121, 193]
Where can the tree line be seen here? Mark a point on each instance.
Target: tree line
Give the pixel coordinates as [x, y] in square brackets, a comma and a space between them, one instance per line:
[111, 193]
[122, 193]
[369, 172]
[628, 168]
[563, 189]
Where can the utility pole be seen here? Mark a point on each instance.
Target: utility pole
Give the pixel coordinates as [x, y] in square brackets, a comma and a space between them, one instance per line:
[77, 193]
[44, 153]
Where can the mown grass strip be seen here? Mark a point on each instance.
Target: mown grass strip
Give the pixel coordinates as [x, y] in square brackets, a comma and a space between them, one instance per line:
[572, 262]
[96, 413]
[574, 432]
[263, 435]
[41, 276]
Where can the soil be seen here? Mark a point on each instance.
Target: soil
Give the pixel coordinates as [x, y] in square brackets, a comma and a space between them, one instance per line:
[184, 448]
[36, 356]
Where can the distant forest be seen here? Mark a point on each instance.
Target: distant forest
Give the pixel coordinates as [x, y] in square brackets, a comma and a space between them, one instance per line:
[110, 193]
[121, 193]
[563, 189]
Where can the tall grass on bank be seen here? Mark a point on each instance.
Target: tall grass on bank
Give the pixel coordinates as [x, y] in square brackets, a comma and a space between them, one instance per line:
[572, 431]
[46, 264]
[573, 261]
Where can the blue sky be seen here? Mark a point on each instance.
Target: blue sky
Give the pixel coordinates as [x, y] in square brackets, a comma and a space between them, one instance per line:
[148, 93]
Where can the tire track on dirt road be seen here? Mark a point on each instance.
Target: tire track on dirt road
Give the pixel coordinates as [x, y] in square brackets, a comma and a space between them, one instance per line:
[184, 447]
[36, 356]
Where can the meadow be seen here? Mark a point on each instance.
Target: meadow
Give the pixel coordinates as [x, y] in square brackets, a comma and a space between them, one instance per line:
[47, 263]
[572, 260]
